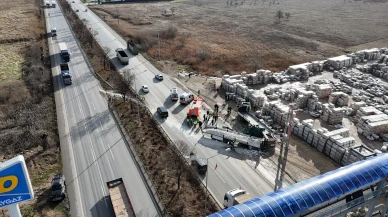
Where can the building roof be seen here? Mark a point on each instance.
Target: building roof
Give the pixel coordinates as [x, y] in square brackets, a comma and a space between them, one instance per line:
[308, 195]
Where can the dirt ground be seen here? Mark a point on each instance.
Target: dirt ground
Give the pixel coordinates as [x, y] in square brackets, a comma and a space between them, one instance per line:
[213, 36]
[25, 110]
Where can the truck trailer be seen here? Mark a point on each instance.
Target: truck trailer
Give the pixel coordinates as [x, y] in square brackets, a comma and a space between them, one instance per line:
[64, 52]
[123, 57]
[235, 197]
[65, 73]
[120, 201]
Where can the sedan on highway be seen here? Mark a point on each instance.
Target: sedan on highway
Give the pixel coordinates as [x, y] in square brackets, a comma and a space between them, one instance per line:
[145, 88]
[159, 77]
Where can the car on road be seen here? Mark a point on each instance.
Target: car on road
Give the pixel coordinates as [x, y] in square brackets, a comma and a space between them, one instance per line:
[58, 188]
[145, 88]
[77, 10]
[159, 77]
[174, 94]
[162, 111]
[73, 2]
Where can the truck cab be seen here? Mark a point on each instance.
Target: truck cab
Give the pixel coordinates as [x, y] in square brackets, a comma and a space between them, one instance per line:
[235, 197]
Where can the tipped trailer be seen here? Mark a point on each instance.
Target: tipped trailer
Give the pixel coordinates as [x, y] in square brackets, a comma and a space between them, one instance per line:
[234, 138]
[120, 200]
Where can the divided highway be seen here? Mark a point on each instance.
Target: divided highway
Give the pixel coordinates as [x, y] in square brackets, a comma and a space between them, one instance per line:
[92, 147]
[231, 172]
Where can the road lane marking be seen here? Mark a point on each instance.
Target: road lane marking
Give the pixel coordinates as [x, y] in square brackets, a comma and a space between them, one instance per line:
[93, 106]
[217, 174]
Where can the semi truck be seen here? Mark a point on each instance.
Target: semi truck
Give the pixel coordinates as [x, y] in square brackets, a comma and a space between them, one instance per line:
[120, 201]
[123, 57]
[65, 73]
[132, 47]
[64, 52]
[235, 197]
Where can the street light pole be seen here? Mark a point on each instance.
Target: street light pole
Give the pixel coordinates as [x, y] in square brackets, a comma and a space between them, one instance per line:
[159, 46]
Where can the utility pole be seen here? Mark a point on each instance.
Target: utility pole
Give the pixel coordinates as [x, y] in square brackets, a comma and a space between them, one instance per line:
[159, 45]
[118, 20]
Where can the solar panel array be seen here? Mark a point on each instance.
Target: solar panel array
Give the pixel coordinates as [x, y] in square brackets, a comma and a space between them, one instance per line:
[304, 196]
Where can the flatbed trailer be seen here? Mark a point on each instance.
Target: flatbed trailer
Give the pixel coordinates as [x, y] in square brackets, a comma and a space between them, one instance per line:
[118, 195]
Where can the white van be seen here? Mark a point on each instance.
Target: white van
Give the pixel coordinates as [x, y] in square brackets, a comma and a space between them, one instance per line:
[186, 98]
[174, 94]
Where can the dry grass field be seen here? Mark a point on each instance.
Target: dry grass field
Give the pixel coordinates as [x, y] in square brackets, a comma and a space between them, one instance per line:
[215, 35]
[27, 111]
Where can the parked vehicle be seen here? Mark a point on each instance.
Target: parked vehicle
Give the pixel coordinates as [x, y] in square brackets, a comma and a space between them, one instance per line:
[121, 203]
[174, 94]
[53, 32]
[145, 89]
[65, 72]
[186, 98]
[53, 4]
[159, 77]
[123, 57]
[235, 197]
[200, 165]
[162, 111]
[132, 47]
[47, 4]
[58, 188]
[64, 52]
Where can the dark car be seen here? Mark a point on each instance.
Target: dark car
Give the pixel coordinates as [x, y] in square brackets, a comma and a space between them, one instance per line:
[58, 188]
[200, 164]
[162, 111]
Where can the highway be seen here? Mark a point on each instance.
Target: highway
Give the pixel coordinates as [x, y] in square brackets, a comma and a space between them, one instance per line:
[92, 148]
[231, 172]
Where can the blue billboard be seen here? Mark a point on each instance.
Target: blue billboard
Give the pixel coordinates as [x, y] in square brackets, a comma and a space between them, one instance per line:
[15, 184]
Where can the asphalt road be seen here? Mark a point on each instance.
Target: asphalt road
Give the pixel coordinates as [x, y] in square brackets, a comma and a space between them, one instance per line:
[92, 147]
[231, 172]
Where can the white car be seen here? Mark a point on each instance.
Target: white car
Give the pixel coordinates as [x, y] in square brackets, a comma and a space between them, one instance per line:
[159, 77]
[145, 89]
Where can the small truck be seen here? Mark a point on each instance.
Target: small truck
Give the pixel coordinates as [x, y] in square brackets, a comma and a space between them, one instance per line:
[123, 57]
[65, 73]
[132, 47]
[235, 197]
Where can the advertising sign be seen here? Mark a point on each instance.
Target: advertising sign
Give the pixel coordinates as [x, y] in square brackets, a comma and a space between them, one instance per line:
[15, 184]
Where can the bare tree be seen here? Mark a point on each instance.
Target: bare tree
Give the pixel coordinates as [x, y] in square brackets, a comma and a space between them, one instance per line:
[288, 15]
[178, 164]
[279, 14]
[173, 10]
[105, 54]
[125, 82]
[227, 3]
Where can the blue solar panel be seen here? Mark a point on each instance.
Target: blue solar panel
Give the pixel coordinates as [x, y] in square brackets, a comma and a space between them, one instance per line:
[308, 194]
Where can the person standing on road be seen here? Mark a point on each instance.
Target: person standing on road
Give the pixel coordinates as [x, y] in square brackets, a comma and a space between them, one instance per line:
[199, 92]
[200, 125]
[204, 117]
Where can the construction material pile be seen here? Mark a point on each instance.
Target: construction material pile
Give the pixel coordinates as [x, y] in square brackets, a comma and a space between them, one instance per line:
[371, 122]
[332, 115]
[303, 96]
[377, 69]
[277, 111]
[339, 62]
[357, 153]
[332, 143]
[354, 107]
[237, 90]
[339, 99]
[322, 90]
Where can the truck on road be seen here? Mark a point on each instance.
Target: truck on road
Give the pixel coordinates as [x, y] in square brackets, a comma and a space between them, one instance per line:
[235, 197]
[123, 57]
[132, 47]
[65, 73]
[118, 195]
[64, 52]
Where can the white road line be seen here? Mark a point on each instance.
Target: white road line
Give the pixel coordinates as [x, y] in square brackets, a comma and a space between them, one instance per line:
[93, 106]
[217, 174]
[102, 189]
[110, 150]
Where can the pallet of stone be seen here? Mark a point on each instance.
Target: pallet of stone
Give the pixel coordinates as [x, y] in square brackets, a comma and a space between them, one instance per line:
[340, 61]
